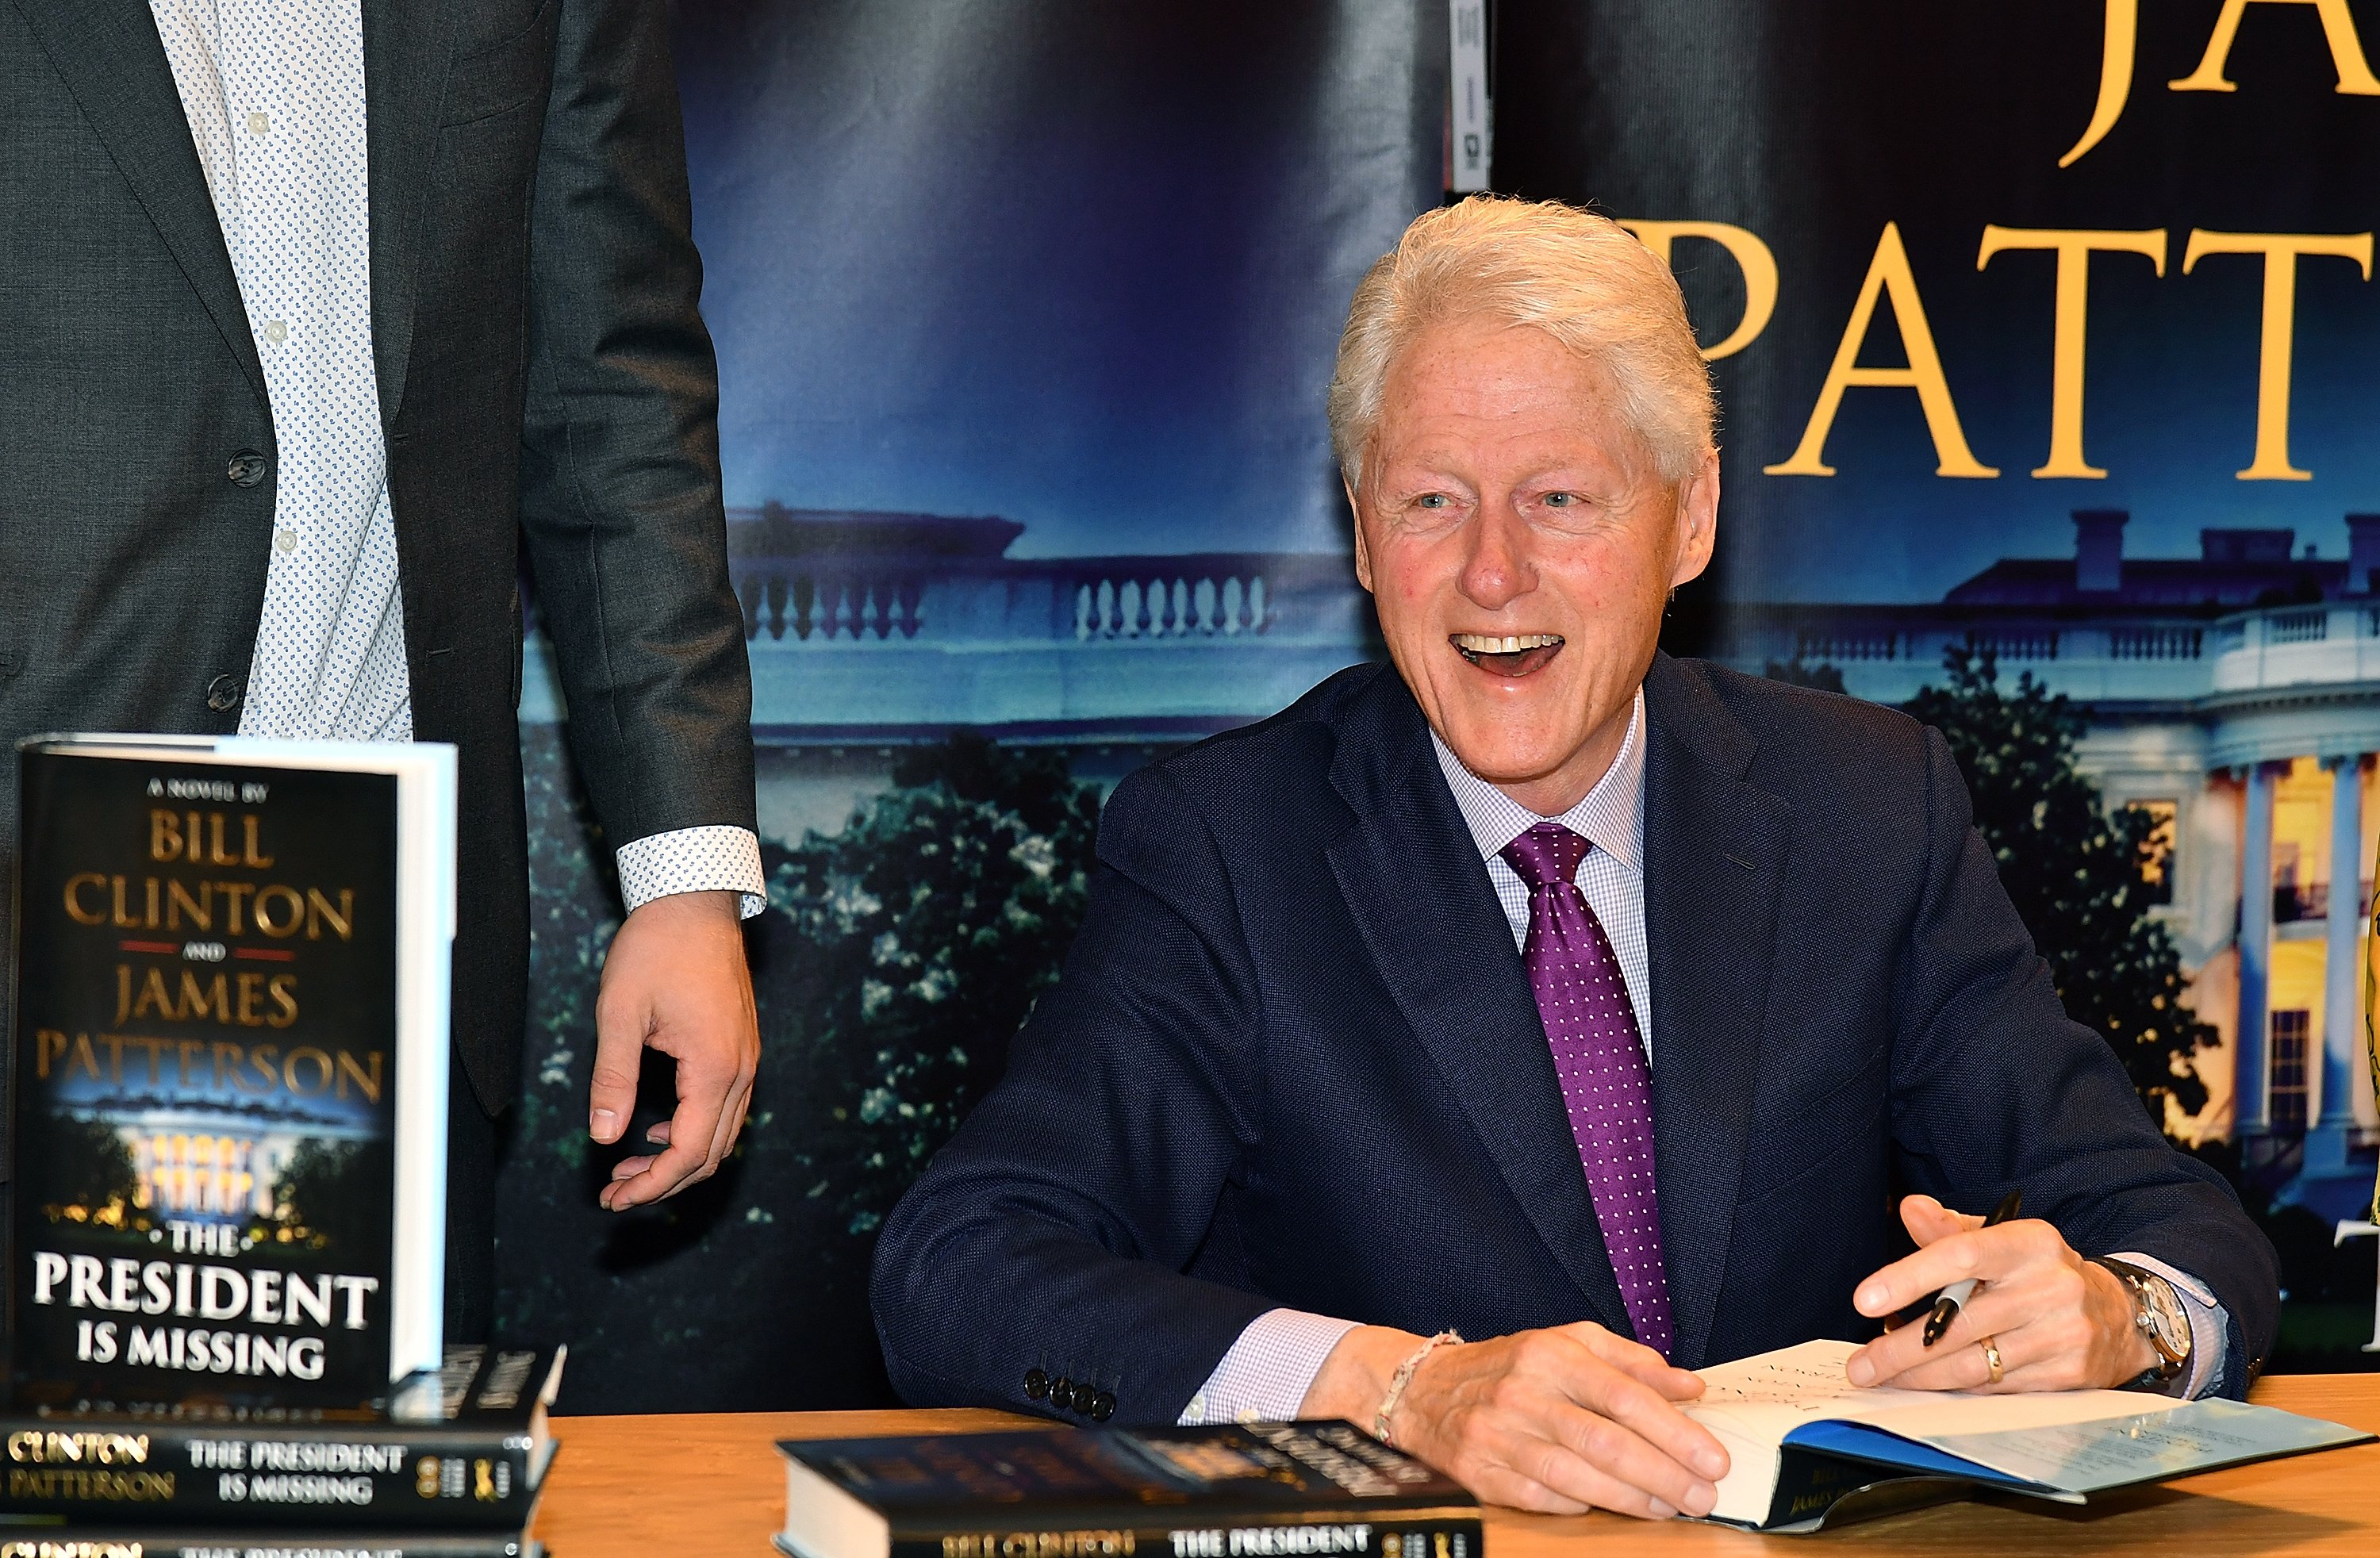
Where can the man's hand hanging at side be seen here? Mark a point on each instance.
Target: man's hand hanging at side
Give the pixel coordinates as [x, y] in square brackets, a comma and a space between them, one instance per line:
[675, 981]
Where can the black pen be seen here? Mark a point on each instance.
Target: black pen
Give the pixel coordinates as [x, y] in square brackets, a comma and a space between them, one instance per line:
[1946, 1308]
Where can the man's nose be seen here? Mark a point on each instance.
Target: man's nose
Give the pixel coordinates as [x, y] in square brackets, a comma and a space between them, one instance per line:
[1497, 568]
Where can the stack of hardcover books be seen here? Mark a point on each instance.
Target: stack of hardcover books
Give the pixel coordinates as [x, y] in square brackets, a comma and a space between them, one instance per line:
[450, 1468]
[229, 1056]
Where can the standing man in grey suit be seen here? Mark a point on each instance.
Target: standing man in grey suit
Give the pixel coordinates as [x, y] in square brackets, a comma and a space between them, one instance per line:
[316, 318]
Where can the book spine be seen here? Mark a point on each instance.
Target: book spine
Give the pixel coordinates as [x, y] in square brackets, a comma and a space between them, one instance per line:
[334, 1479]
[184, 1542]
[1384, 1536]
[1810, 1483]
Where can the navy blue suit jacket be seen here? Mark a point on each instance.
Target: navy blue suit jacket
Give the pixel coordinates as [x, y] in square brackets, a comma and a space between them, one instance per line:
[1293, 1060]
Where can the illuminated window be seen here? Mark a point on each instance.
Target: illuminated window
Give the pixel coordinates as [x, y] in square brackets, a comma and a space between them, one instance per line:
[2157, 870]
[2290, 1032]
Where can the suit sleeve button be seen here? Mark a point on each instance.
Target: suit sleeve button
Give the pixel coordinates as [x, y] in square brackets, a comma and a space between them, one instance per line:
[223, 693]
[1062, 1392]
[1037, 1385]
[1103, 1407]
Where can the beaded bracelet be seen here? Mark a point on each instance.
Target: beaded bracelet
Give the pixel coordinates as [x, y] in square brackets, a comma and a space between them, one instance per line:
[1400, 1380]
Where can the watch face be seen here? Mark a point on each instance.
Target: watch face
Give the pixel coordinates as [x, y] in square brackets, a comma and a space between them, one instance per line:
[2167, 1319]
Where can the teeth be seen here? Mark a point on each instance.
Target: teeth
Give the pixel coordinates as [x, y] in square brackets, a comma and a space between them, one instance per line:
[1510, 643]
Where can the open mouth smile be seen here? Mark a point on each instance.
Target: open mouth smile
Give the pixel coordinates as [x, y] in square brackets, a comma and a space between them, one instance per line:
[1511, 654]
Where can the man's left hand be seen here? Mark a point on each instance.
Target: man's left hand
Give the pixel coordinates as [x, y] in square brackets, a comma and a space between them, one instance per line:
[2059, 1322]
[675, 981]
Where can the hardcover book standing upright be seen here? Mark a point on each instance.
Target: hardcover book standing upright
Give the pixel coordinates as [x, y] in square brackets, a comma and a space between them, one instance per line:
[230, 1071]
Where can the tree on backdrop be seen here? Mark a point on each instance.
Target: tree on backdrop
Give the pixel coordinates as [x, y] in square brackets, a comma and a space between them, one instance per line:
[931, 924]
[88, 1168]
[1798, 672]
[893, 964]
[2077, 871]
[326, 1185]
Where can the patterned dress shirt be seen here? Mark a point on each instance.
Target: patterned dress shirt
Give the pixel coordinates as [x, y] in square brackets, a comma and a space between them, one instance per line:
[1267, 1371]
[274, 91]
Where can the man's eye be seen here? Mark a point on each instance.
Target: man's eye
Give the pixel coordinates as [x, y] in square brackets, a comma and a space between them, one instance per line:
[1433, 500]
[1561, 500]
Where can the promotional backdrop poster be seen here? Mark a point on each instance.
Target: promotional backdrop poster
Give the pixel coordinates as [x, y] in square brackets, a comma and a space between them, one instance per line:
[1024, 315]
[2043, 333]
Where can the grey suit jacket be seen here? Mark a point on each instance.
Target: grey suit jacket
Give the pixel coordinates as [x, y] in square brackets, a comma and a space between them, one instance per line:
[547, 387]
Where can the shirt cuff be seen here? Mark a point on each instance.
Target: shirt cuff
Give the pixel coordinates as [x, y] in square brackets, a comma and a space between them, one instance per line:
[2210, 1326]
[712, 859]
[1266, 1375]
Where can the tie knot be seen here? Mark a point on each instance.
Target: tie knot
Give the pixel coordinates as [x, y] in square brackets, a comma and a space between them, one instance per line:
[1547, 856]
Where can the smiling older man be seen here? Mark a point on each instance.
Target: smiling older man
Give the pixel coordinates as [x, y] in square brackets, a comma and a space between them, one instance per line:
[1548, 991]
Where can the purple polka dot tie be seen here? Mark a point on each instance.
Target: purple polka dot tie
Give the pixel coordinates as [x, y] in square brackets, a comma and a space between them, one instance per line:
[1606, 1086]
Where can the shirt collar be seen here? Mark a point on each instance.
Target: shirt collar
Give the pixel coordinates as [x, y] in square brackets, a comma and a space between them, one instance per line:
[1610, 817]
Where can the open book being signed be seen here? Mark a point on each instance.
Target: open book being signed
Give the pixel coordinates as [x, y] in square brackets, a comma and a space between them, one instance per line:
[1799, 1435]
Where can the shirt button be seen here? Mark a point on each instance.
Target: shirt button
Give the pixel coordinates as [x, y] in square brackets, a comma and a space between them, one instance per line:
[283, 539]
[275, 331]
[260, 123]
[246, 468]
[222, 694]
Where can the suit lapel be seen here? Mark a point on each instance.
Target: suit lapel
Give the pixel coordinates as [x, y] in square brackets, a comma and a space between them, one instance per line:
[108, 54]
[406, 47]
[1715, 852]
[1438, 940]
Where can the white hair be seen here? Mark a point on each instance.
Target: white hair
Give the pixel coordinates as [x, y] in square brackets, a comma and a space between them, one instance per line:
[1582, 278]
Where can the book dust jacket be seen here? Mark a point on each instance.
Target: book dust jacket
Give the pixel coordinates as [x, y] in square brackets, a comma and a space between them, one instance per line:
[204, 1085]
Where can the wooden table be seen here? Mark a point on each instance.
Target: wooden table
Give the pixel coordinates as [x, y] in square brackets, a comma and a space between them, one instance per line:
[711, 1484]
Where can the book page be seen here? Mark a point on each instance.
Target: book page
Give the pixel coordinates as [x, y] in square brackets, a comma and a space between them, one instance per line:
[2150, 1446]
[1808, 1377]
[1767, 1396]
[1807, 1382]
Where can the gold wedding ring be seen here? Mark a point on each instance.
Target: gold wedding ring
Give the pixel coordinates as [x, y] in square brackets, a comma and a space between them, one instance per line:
[1991, 1356]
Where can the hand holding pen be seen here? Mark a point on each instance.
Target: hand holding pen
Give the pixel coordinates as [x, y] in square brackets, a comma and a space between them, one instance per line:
[1948, 1303]
[2030, 1312]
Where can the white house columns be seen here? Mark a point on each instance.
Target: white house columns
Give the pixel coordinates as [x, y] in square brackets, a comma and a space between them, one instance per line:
[2342, 1039]
[2252, 1109]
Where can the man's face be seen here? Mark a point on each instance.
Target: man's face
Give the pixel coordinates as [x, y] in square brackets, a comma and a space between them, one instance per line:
[1520, 545]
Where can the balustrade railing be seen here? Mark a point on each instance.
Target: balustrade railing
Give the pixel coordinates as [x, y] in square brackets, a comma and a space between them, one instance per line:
[2021, 644]
[1174, 607]
[1837, 647]
[814, 605]
[1082, 600]
[2308, 626]
[2154, 643]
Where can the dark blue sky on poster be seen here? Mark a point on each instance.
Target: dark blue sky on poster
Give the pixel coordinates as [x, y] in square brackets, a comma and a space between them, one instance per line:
[1814, 124]
[1081, 265]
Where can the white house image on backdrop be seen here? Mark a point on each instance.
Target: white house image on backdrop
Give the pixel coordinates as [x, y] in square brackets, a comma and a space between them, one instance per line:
[2235, 694]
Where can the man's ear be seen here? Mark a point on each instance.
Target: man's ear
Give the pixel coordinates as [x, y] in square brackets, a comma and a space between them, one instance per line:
[1698, 520]
[1363, 549]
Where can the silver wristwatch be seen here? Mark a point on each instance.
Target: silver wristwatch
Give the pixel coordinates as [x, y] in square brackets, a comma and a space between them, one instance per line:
[2162, 1321]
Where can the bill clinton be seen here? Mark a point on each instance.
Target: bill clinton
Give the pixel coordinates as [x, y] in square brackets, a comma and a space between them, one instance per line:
[1491, 1036]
